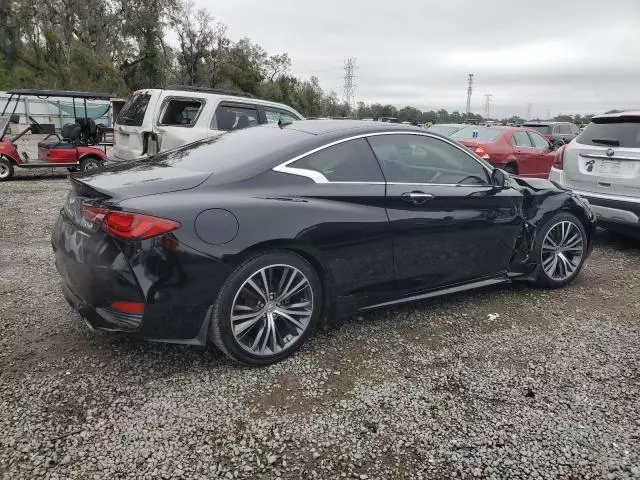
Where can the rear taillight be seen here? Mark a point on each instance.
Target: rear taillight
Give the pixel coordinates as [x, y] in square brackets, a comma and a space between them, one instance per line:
[558, 161]
[130, 308]
[126, 225]
[482, 153]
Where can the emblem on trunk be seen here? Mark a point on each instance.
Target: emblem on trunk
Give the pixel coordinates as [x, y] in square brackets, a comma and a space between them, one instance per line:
[610, 152]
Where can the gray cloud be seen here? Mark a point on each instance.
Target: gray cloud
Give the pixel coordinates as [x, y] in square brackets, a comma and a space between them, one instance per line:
[579, 56]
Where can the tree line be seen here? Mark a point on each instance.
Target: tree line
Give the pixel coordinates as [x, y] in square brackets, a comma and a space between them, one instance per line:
[121, 45]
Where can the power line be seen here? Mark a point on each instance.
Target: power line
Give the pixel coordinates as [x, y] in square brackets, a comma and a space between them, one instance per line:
[469, 92]
[349, 87]
[487, 105]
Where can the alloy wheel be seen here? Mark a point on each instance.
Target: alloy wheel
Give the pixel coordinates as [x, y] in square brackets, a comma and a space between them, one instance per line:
[562, 250]
[5, 171]
[271, 310]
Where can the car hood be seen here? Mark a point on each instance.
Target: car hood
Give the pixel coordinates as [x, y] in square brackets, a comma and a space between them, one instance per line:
[136, 179]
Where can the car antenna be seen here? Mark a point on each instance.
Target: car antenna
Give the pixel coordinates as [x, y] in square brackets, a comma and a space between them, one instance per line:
[282, 124]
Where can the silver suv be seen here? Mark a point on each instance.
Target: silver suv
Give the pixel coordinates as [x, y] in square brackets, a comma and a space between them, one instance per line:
[603, 165]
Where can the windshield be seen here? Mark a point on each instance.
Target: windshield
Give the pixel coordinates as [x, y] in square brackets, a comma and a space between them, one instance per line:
[445, 130]
[132, 114]
[543, 129]
[621, 131]
[477, 133]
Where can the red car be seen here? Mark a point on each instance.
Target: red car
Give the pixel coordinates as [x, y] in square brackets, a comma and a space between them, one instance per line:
[520, 151]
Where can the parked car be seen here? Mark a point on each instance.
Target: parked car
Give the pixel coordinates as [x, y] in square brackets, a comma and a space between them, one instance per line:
[557, 133]
[252, 238]
[446, 129]
[155, 120]
[517, 150]
[603, 166]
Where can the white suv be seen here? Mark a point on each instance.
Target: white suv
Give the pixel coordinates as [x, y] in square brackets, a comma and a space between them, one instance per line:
[603, 165]
[155, 120]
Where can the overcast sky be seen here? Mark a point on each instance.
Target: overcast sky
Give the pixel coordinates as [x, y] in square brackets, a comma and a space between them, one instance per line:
[577, 56]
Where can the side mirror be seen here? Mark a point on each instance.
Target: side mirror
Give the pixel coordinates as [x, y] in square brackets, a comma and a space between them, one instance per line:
[499, 179]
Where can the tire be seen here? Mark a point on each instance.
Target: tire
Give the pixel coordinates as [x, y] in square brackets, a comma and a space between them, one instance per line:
[90, 163]
[511, 169]
[6, 169]
[251, 344]
[571, 252]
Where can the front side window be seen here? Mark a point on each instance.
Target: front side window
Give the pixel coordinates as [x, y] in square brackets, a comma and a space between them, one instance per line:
[521, 139]
[538, 140]
[132, 113]
[422, 159]
[350, 161]
[234, 117]
[181, 112]
[275, 114]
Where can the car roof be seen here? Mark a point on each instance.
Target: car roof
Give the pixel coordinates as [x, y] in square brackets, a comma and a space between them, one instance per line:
[624, 113]
[348, 127]
[61, 93]
[544, 123]
[450, 124]
[226, 95]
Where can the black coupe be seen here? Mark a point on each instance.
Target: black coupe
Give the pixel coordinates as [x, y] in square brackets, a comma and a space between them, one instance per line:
[253, 238]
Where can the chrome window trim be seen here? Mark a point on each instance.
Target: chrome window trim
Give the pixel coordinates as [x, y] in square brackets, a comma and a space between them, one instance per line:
[318, 177]
[607, 196]
[604, 157]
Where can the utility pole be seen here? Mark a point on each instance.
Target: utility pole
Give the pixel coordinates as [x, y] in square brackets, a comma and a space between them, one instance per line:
[487, 105]
[469, 92]
[349, 84]
[529, 110]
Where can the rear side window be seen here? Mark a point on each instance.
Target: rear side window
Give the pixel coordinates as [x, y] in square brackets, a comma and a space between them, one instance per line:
[181, 112]
[275, 114]
[477, 133]
[132, 114]
[351, 161]
[521, 139]
[538, 140]
[564, 130]
[234, 117]
[623, 131]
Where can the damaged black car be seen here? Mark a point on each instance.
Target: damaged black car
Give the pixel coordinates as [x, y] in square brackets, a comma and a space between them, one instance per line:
[252, 239]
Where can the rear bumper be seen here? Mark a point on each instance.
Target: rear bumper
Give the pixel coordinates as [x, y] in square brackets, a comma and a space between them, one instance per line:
[176, 284]
[610, 210]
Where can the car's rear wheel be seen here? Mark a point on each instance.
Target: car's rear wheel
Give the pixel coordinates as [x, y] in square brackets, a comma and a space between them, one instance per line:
[90, 163]
[267, 308]
[561, 250]
[6, 169]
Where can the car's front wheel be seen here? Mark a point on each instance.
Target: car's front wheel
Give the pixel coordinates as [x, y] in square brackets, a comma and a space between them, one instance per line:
[561, 250]
[267, 308]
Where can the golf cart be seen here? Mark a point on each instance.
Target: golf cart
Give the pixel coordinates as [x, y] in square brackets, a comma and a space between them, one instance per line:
[75, 148]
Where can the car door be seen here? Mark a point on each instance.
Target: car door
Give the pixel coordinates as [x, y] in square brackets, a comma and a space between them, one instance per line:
[544, 154]
[449, 224]
[348, 186]
[134, 126]
[526, 157]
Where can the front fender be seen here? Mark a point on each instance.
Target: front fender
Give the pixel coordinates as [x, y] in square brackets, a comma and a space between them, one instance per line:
[84, 152]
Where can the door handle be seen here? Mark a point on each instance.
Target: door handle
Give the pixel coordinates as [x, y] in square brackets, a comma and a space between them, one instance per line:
[416, 196]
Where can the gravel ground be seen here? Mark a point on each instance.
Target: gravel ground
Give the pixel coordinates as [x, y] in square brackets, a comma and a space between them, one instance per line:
[507, 382]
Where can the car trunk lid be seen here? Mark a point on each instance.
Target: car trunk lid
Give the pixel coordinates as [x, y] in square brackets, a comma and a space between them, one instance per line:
[136, 179]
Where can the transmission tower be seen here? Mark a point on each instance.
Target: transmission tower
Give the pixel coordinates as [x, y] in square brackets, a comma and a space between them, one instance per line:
[469, 92]
[529, 110]
[487, 105]
[349, 83]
